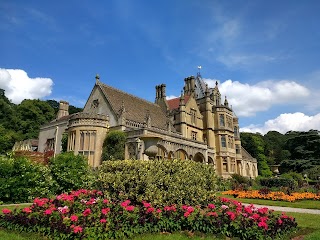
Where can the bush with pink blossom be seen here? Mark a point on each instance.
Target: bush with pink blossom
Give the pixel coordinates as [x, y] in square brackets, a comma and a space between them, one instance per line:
[89, 214]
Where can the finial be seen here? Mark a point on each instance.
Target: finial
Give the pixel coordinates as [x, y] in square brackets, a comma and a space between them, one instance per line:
[226, 102]
[97, 78]
[216, 83]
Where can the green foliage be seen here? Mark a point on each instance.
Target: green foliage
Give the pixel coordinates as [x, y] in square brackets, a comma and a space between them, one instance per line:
[22, 180]
[293, 175]
[113, 146]
[304, 145]
[278, 182]
[160, 181]
[64, 142]
[255, 145]
[296, 165]
[313, 173]
[32, 114]
[240, 179]
[71, 172]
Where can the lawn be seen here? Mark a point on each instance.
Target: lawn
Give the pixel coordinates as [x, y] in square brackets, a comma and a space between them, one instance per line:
[309, 204]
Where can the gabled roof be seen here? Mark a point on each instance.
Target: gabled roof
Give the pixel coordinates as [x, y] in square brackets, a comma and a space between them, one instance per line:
[136, 109]
[175, 102]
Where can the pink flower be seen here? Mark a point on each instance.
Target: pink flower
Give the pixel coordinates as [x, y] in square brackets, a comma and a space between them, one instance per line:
[231, 215]
[248, 209]
[48, 212]
[279, 221]
[263, 225]
[6, 211]
[125, 203]
[77, 229]
[214, 214]
[211, 206]
[86, 212]
[150, 210]
[170, 208]
[105, 201]
[263, 219]
[263, 210]
[103, 220]
[159, 211]
[225, 200]
[64, 209]
[186, 214]
[105, 211]
[27, 210]
[74, 218]
[224, 207]
[146, 205]
[130, 208]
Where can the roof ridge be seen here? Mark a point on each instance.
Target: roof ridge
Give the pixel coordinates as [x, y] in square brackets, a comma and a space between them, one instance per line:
[131, 95]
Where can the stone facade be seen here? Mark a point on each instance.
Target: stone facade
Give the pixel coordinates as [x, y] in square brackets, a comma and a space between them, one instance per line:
[195, 126]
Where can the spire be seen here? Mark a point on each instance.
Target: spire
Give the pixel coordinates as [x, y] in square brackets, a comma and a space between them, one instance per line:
[182, 99]
[226, 102]
[207, 92]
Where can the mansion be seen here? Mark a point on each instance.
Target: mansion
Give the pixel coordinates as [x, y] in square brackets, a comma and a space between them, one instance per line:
[196, 126]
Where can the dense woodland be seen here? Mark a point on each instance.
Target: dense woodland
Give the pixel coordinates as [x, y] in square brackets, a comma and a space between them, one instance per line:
[293, 151]
[22, 121]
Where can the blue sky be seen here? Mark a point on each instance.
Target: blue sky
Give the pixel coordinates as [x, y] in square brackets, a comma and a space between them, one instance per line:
[264, 54]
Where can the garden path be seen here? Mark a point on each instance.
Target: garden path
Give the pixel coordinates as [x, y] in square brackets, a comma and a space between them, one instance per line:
[288, 209]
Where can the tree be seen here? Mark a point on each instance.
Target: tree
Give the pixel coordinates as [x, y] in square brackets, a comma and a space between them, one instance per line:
[32, 114]
[255, 145]
[113, 146]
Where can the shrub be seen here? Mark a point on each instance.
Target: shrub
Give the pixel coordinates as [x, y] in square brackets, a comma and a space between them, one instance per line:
[161, 182]
[240, 179]
[87, 214]
[71, 172]
[278, 182]
[113, 146]
[21, 180]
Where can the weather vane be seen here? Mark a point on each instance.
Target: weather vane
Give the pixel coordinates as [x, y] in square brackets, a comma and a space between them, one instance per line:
[199, 68]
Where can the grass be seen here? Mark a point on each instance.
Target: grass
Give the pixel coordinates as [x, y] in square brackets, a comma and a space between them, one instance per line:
[309, 204]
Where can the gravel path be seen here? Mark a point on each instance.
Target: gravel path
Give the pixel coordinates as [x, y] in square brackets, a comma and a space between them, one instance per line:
[288, 209]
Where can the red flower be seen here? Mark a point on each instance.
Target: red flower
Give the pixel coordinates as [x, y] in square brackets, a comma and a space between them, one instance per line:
[211, 206]
[150, 210]
[86, 212]
[125, 203]
[48, 212]
[146, 205]
[170, 208]
[130, 208]
[186, 214]
[77, 229]
[105, 211]
[6, 211]
[263, 225]
[231, 215]
[27, 210]
[103, 220]
[159, 211]
[105, 201]
[279, 221]
[74, 218]
[263, 210]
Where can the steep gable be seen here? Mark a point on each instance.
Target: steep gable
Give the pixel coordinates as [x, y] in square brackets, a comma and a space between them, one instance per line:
[136, 108]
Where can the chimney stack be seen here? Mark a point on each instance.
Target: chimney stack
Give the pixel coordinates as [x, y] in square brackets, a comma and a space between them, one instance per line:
[63, 109]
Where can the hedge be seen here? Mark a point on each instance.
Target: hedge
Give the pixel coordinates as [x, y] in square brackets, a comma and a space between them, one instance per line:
[161, 182]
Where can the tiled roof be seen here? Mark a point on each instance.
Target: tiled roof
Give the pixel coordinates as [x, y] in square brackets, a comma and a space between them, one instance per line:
[136, 108]
[245, 154]
[174, 102]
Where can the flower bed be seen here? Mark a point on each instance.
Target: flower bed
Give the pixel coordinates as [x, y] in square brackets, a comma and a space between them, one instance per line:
[276, 196]
[87, 214]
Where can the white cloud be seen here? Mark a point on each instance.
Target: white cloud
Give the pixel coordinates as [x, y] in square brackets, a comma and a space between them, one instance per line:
[285, 122]
[19, 86]
[170, 97]
[247, 99]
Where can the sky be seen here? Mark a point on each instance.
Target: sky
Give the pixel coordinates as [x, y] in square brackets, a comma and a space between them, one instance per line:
[264, 54]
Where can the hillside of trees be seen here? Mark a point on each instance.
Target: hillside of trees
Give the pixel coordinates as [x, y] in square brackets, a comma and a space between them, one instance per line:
[22, 121]
[293, 151]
